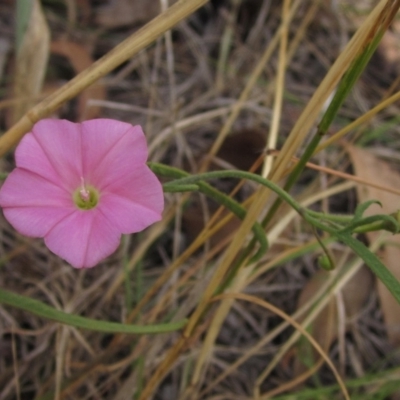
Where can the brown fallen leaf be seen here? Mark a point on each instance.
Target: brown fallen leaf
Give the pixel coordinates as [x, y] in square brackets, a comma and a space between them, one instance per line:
[193, 223]
[241, 150]
[80, 59]
[374, 170]
[324, 329]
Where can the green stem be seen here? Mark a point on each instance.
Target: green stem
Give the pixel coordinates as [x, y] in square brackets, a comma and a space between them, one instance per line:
[340, 219]
[214, 194]
[180, 188]
[239, 175]
[368, 224]
[372, 223]
[43, 310]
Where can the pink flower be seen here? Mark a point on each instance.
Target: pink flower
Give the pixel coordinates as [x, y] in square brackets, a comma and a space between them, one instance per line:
[80, 186]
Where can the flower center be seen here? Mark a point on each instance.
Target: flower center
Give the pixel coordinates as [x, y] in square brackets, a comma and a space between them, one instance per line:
[86, 197]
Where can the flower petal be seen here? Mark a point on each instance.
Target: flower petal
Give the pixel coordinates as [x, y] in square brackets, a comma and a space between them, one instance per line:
[60, 141]
[35, 221]
[127, 216]
[84, 238]
[134, 201]
[32, 204]
[29, 155]
[111, 148]
[24, 188]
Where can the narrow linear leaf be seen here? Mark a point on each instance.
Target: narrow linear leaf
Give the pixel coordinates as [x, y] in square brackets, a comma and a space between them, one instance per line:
[373, 170]
[43, 310]
[373, 262]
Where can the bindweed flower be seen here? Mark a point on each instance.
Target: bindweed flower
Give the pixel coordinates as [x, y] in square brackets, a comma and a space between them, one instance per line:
[80, 186]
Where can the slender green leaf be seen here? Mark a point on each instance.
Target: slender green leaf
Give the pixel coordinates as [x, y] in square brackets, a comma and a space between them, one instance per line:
[373, 262]
[43, 310]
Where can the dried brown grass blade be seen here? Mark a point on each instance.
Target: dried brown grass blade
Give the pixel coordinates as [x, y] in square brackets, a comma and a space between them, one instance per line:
[327, 86]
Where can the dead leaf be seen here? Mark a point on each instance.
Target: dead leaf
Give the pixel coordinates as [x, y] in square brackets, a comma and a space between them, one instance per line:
[31, 61]
[241, 149]
[324, 329]
[374, 170]
[80, 59]
[193, 223]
